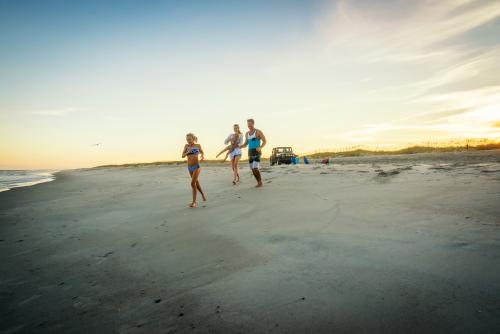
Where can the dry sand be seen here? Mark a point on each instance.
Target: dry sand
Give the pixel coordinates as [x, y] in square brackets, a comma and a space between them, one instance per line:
[382, 244]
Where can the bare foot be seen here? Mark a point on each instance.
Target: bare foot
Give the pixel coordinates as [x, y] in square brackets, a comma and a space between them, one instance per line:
[204, 204]
[193, 205]
[259, 185]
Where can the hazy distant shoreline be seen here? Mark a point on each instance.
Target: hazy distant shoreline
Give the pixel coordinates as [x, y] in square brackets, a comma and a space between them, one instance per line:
[357, 156]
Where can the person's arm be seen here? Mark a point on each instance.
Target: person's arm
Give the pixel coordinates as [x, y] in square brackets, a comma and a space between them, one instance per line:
[202, 153]
[224, 150]
[246, 141]
[184, 151]
[260, 134]
[228, 139]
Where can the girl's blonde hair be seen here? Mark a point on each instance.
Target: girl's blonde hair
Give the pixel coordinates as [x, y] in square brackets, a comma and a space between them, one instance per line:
[195, 139]
[239, 131]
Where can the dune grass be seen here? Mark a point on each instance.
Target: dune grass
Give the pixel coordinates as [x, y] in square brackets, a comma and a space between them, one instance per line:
[468, 146]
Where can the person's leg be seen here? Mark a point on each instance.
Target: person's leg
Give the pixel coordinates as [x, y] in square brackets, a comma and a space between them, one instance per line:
[194, 181]
[236, 168]
[255, 165]
[200, 190]
[254, 161]
[224, 150]
[258, 177]
[233, 159]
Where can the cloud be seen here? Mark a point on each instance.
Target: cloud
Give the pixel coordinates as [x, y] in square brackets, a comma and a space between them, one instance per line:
[443, 82]
[54, 112]
[480, 122]
[117, 118]
[471, 68]
[410, 35]
[473, 113]
[477, 110]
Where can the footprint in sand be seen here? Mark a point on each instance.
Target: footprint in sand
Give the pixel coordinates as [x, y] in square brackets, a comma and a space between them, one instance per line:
[490, 170]
[460, 245]
[107, 254]
[392, 172]
[441, 167]
[388, 173]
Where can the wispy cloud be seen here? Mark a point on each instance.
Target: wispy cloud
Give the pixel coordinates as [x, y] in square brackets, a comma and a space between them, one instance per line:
[469, 68]
[471, 98]
[436, 69]
[410, 35]
[464, 114]
[54, 112]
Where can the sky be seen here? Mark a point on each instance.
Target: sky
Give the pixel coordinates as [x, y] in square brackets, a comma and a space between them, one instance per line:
[136, 76]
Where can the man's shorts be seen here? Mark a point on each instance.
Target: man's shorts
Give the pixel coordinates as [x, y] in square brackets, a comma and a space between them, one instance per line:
[254, 159]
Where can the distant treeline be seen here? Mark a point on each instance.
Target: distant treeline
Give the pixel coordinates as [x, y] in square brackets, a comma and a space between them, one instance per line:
[473, 145]
[451, 146]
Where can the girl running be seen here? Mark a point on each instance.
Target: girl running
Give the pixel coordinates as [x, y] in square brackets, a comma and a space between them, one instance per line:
[234, 151]
[191, 150]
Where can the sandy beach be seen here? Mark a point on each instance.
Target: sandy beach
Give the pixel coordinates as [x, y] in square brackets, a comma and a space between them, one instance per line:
[394, 244]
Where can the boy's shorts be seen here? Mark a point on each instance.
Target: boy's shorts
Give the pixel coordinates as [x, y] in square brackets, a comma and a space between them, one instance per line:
[254, 159]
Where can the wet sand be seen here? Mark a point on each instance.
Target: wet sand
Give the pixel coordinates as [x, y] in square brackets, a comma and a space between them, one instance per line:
[400, 244]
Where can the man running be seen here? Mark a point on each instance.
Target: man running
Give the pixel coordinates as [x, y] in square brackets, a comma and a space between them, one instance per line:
[255, 140]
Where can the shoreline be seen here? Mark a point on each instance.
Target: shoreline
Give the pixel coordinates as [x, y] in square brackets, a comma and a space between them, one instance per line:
[46, 176]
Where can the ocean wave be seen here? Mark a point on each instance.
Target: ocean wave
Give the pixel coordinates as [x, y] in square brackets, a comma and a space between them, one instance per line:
[23, 178]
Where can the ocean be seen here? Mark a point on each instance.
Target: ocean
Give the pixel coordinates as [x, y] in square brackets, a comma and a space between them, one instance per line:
[23, 178]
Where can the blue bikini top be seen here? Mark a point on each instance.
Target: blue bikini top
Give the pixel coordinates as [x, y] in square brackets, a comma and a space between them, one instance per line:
[193, 150]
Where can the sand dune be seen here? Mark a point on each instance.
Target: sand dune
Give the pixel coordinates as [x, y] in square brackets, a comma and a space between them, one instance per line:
[371, 244]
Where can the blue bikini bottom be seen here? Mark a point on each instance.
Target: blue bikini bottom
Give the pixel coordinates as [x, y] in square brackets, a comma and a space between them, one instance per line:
[193, 168]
